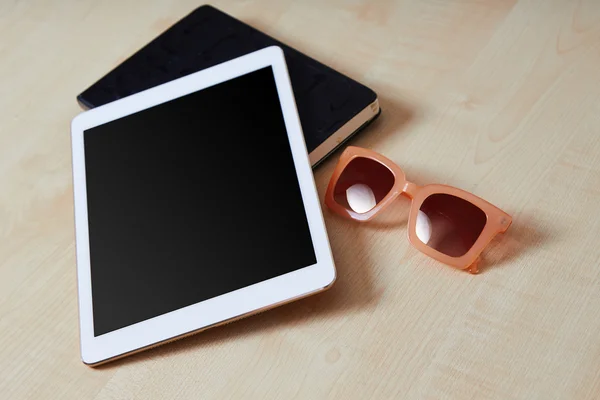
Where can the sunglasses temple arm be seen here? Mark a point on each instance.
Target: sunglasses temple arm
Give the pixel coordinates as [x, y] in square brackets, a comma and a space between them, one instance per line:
[474, 267]
[505, 223]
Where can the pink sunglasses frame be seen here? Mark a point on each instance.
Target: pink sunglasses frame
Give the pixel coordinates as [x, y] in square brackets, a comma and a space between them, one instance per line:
[497, 221]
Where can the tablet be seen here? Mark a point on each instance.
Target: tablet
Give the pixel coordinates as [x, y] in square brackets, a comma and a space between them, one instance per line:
[195, 205]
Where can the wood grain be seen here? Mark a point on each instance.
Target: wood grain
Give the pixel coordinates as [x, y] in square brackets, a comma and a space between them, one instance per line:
[501, 98]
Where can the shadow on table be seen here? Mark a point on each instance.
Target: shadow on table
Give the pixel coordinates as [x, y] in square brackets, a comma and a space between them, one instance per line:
[352, 292]
[525, 234]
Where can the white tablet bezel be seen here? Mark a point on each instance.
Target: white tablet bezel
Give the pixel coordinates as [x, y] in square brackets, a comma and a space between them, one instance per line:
[248, 300]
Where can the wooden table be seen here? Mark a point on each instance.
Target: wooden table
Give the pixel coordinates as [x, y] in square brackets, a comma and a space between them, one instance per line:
[501, 98]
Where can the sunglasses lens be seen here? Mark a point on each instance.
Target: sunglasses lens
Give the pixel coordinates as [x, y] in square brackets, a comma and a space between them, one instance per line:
[449, 224]
[363, 184]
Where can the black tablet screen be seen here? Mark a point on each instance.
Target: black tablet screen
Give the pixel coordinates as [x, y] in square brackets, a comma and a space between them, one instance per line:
[191, 199]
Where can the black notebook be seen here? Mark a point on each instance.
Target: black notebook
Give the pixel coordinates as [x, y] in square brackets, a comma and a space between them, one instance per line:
[332, 107]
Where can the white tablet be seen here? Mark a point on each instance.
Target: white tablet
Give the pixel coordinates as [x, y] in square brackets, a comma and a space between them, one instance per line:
[194, 205]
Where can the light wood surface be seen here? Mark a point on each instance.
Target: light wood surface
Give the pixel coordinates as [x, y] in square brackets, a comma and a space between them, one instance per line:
[501, 98]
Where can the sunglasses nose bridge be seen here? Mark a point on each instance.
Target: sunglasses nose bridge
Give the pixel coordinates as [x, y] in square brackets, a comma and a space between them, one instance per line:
[409, 190]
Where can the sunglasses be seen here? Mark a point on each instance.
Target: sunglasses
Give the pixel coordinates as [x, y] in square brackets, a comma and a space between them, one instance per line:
[446, 223]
